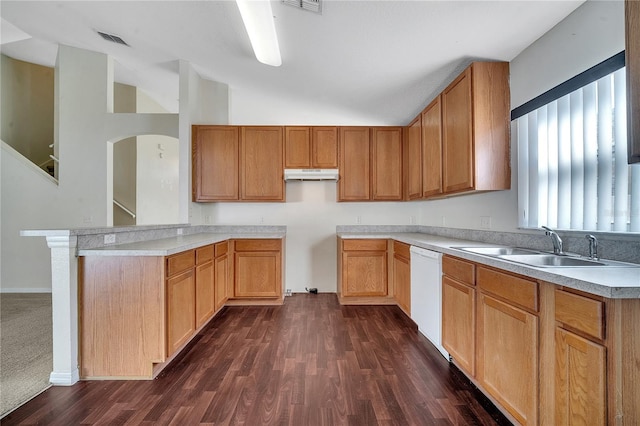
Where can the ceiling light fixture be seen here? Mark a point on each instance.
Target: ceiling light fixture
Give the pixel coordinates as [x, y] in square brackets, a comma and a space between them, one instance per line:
[258, 21]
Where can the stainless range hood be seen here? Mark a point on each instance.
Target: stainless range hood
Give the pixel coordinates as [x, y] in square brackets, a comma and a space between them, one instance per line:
[311, 174]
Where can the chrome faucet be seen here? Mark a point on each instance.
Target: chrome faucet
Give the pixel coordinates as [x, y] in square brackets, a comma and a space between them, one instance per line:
[593, 246]
[555, 238]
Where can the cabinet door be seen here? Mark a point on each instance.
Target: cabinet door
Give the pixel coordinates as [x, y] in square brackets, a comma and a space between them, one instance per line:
[215, 163]
[402, 283]
[181, 316]
[507, 359]
[580, 395]
[364, 273]
[355, 154]
[221, 280]
[324, 147]
[258, 274]
[297, 147]
[412, 153]
[459, 323]
[457, 144]
[387, 163]
[432, 149]
[262, 164]
[205, 304]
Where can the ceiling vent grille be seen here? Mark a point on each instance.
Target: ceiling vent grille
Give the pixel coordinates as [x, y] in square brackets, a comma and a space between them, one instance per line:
[112, 38]
[310, 5]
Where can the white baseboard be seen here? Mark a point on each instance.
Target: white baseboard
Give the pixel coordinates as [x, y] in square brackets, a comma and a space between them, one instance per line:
[25, 290]
[64, 378]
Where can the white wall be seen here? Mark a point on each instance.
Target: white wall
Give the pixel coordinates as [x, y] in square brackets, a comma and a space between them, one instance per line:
[158, 161]
[592, 33]
[311, 214]
[83, 131]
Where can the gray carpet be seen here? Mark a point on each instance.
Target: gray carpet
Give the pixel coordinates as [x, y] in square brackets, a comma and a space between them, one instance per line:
[26, 357]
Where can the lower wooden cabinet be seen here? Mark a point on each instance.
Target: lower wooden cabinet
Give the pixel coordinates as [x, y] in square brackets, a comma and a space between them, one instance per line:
[205, 285]
[181, 318]
[507, 341]
[402, 276]
[459, 322]
[258, 268]
[580, 385]
[507, 357]
[221, 268]
[167, 300]
[459, 312]
[580, 360]
[363, 268]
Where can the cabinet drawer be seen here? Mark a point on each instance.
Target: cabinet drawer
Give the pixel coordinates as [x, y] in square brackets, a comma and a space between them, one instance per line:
[401, 249]
[222, 248]
[514, 289]
[204, 254]
[180, 262]
[258, 245]
[459, 269]
[364, 245]
[581, 313]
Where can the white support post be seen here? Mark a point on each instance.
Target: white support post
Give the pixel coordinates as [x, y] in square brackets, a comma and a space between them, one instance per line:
[64, 299]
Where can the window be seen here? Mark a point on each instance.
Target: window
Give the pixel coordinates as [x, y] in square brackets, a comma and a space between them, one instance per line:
[572, 159]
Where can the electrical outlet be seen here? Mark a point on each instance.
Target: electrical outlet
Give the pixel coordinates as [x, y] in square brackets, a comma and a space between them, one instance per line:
[287, 292]
[180, 231]
[485, 222]
[412, 220]
[110, 238]
[87, 219]
[207, 219]
[444, 221]
[358, 220]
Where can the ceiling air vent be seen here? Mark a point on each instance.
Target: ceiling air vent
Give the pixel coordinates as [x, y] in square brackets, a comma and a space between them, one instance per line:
[112, 38]
[310, 5]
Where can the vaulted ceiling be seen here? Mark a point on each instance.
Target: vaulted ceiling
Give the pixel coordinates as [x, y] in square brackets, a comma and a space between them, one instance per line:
[381, 59]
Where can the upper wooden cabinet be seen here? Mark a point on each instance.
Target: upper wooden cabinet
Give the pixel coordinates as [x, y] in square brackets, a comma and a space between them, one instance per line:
[412, 153]
[355, 171]
[215, 163]
[370, 164]
[432, 149]
[475, 129]
[261, 166]
[632, 57]
[386, 163]
[237, 163]
[311, 147]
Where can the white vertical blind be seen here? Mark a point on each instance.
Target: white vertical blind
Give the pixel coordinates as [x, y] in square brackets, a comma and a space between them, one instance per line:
[621, 206]
[577, 160]
[564, 162]
[573, 171]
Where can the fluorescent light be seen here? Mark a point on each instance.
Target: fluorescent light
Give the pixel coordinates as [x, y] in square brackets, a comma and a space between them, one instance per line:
[258, 20]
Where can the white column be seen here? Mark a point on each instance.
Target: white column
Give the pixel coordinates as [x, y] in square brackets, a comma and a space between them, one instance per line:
[64, 301]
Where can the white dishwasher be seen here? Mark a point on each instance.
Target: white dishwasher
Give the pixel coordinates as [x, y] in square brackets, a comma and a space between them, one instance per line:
[426, 294]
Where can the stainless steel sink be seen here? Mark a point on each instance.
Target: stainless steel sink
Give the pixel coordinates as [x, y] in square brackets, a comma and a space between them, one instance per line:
[541, 259]
[551, 260]
[498, 251]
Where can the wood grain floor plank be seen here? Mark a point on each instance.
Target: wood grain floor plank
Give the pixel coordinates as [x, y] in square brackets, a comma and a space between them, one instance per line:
[310, 361]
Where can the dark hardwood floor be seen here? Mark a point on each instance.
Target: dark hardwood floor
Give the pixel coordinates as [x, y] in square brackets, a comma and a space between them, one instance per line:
[308, 362]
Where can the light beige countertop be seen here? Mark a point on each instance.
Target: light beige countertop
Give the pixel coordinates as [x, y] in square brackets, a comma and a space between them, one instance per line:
[172, 245]
[620, 281]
